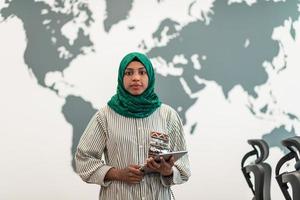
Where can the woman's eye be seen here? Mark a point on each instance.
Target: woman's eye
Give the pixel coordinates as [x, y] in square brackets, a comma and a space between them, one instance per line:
[128, 73]
[143, 72]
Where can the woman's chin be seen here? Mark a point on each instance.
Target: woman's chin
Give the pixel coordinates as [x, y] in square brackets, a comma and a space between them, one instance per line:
[135, 92]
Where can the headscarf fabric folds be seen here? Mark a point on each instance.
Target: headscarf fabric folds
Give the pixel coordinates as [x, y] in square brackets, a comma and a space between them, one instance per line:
[129, 105]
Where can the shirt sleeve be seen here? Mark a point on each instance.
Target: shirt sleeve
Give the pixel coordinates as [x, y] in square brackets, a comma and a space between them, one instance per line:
[181, 168]
[88, 158]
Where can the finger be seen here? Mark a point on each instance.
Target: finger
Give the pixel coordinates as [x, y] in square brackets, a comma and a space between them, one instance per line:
[163, 161]
[134, 175]
[134, 166]
[135, 180]
[154, 164]
[165, 164]
[136, 171]
[132, 181]
[171, 161]
[148, 160]
[129, 174]
[150, 165]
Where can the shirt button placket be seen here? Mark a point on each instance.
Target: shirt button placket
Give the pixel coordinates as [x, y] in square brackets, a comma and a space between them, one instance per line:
[141, 147]
[140, 140]
[140, 143]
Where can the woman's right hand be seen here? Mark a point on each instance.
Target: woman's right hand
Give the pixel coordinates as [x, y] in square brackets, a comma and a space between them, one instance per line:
[130, 174]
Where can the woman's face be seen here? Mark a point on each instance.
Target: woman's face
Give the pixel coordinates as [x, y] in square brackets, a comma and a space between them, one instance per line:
[135, 78]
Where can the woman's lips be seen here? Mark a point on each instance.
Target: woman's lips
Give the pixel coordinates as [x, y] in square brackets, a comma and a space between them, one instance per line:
[136, 87]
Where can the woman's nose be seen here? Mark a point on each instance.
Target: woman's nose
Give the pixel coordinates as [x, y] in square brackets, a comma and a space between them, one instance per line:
[136, 76]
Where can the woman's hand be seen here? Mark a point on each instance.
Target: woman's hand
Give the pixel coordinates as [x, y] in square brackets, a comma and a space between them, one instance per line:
[163, 167]
[130, 174]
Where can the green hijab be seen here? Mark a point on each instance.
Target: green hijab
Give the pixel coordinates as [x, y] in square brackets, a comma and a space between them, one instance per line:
[139, 106]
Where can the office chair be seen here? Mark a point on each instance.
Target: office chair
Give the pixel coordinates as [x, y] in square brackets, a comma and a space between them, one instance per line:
[293, 177]
[261, 171]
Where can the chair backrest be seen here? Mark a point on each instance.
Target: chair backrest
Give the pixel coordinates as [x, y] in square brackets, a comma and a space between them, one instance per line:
[261, 171]
[293, 177]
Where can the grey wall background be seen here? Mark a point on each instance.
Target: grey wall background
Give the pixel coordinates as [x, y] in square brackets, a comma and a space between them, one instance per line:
[229, 68]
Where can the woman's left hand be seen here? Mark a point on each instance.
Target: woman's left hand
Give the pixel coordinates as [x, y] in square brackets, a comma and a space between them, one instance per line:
[163, 167]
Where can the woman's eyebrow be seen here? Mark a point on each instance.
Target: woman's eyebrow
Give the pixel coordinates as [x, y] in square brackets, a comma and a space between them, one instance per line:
[133, 69]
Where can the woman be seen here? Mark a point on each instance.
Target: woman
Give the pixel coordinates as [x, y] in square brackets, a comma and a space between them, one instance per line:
[121, 131]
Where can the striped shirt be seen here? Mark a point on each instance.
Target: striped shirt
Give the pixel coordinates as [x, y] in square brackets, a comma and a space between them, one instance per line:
[124, 141]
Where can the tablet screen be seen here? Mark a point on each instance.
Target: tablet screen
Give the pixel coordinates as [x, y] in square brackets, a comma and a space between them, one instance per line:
[176, 154]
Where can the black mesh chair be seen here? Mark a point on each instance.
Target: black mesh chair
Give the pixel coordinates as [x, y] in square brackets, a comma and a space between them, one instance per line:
[261, 171]
[293, 177]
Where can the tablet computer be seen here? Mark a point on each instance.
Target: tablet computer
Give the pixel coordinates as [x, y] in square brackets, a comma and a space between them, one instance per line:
[167, 156]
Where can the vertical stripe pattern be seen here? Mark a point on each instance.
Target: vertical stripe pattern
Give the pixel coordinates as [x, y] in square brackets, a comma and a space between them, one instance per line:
[123, 141]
